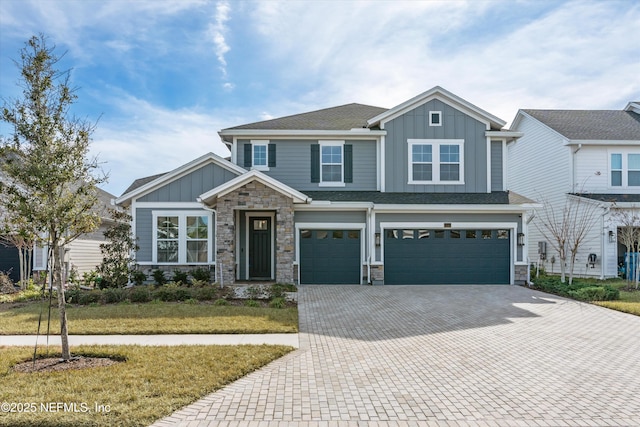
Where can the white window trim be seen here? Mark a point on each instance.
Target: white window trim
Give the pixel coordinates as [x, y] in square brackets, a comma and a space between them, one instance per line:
[260, 142]
[435, 153]
[435, 113]
[625, 168]
[182, 237]
[332, 183]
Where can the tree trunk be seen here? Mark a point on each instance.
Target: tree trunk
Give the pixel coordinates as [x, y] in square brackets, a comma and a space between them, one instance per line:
[571, 266]
[22, 267]
[58, 256]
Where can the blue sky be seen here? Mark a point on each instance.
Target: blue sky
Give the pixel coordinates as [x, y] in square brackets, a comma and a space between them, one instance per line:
[163, 76]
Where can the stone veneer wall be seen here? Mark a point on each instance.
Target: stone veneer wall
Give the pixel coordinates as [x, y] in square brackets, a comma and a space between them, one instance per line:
[521, 274]
[255, 196]
[377, 274]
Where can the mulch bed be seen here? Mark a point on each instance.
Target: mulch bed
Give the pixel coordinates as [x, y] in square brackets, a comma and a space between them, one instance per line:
[56, 364]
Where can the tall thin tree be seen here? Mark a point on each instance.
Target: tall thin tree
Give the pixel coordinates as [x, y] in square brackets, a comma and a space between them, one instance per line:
[50, 179]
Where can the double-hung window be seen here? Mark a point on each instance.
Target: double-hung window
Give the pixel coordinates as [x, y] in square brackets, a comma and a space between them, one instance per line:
[624, 169]
[436, 161]
[182, 237]
[331, 164]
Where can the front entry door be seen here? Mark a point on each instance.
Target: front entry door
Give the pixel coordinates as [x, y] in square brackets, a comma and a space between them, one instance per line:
[260, 248]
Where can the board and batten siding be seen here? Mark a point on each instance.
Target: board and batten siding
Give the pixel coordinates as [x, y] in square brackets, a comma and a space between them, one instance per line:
[496, 166]
[144, 230]
[455, 125]
[190, 186]
[293, 158]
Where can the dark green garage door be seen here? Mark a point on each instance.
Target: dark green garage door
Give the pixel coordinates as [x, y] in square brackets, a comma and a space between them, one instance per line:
[330, 257]
[423, 257]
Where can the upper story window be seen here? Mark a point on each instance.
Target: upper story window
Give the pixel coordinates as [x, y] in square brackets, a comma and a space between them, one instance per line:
[624, 170]
[182, 238]
[331, 163]
[436, 161]
[435, 118]
[259, 154]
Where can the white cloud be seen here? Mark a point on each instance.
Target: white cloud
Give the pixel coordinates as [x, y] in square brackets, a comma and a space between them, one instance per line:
[152, 140]
[217, 31]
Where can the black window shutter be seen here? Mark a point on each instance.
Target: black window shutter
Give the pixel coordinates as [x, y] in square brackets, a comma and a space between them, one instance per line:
[272, 155]
[315, 163]
[348, 163]
[247, 155]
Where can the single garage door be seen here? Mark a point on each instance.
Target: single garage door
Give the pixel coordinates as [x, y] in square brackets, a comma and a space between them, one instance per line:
[330, 257]
[417, 257]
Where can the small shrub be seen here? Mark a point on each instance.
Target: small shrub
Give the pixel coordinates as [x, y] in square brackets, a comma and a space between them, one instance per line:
[89, 297]
[221, 301]
[138, 277]
[180, 277]
[201, 274]
[251, 303]
[278, 303]
[206, 293]
[72, 295]
[139, 294]
[276, 290]
[167, 292]
[198, 283]
[183, 294]
[114, 295]
[191, 301]
[159, 277]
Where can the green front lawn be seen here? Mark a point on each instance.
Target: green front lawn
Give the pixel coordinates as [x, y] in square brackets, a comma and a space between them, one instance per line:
[629, 301]
[152, 383]
[151, 318]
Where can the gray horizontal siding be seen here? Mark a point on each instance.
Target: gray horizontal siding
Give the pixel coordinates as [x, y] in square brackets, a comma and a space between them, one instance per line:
[331, 217]
[190, 186]
[455, 125]
[293, 158]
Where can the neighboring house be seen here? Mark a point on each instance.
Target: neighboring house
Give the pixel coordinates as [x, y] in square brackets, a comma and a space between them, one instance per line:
[593, 155]
[353, 194]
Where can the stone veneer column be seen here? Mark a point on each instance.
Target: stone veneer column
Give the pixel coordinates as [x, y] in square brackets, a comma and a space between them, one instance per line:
[254, 196]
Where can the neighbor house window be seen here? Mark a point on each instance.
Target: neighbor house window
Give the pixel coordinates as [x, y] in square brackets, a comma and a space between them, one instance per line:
[436, 161]
[625, 169]
[259, 155]
[182, 238]
[435, 118]
[331, 164]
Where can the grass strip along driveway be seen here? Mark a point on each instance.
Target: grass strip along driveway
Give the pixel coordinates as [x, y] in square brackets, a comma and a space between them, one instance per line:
[150, 384]
[150, 318]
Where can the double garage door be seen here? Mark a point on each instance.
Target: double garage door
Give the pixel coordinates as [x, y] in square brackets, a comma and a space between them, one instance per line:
[411, 256]
[424, 256]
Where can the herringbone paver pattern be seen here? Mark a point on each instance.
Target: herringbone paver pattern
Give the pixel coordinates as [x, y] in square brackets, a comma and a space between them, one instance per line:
[440, 356]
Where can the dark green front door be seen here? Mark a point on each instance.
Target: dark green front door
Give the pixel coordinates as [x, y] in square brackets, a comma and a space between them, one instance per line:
[441, 257]
[260, 248]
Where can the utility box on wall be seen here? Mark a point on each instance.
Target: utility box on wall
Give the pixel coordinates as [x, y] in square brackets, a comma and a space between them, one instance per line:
[542, 250]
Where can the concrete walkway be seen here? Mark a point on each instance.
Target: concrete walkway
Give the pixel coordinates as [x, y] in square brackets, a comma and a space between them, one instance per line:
[439, 356]
[187, 339]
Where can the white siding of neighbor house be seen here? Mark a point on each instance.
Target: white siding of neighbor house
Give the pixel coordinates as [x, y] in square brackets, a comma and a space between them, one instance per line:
[540, 169]
[84, 255]
[592, 169]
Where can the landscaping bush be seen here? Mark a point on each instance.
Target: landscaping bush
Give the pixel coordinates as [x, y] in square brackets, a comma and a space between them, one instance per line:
[278, 303]
[206, 293]
[201, 275]
[180, 277]
[166, 292]
[89, 297]
[114, 295]
[251, 303]
[140, 294]
[72, 295]
[159, 277]
[221, 301]
[577, 290]
[138, 277]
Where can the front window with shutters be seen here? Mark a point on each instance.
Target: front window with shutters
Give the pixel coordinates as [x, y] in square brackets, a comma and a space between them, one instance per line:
[331, 164]
[183, 237]
[433, 161]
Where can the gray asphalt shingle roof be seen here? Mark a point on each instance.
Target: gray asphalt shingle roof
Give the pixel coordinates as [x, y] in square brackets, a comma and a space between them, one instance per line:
[612, 198]
[142, 181]
[605, 125]
[344, 117]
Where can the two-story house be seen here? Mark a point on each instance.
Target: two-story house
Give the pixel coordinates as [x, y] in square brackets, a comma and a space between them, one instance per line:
[591, 155]
[415, 194]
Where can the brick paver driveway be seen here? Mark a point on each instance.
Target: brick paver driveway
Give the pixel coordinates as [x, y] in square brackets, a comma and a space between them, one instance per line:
[440, 355]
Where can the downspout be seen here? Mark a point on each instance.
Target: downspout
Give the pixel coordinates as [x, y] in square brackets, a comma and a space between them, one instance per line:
[573, 168]
[607, 209]
[369, 282]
